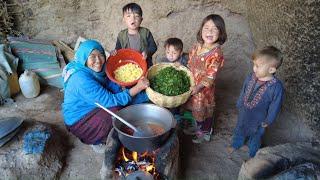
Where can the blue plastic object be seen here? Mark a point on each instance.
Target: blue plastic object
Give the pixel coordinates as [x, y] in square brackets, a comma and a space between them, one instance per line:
[35, 141]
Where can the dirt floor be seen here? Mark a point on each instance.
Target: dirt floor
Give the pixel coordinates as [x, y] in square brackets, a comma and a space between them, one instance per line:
[210, 160]
[204, 161]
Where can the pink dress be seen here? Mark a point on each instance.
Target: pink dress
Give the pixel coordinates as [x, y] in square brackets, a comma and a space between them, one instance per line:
[204, 68]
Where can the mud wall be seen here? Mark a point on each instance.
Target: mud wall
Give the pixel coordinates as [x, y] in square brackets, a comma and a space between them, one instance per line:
[292, 26]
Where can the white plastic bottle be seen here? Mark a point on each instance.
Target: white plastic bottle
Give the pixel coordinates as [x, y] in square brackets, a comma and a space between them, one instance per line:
[29, 84]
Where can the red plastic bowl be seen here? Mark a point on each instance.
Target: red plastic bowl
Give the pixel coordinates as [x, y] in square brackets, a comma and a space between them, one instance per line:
[125, 56]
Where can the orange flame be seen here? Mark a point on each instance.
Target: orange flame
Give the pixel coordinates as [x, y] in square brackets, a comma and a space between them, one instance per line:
[150, 168]
[124, 155]
[135, 156]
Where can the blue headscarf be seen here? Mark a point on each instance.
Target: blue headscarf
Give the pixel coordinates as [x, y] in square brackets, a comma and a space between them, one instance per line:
[79, 63]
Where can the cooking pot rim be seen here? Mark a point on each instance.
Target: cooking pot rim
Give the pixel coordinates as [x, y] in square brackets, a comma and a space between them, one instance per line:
[148, 104]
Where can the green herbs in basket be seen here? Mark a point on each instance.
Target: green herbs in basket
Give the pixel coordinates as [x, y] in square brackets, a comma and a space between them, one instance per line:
[170, 82]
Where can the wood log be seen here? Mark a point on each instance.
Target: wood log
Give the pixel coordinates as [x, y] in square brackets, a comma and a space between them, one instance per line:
[67, 52]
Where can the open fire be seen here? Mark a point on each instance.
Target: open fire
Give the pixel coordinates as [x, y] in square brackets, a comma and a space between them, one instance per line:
[121, 163]
[129, 162]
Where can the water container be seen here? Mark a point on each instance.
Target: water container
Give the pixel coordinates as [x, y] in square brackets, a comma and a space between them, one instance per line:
[29, 84]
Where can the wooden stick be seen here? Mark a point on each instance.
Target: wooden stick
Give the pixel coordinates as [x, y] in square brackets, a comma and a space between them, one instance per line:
[65, 49]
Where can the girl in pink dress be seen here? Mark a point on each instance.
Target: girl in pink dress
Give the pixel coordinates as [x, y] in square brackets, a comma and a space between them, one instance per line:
[205, 60]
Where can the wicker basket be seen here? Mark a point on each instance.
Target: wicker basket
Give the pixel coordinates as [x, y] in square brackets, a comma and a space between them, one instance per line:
[163, 100]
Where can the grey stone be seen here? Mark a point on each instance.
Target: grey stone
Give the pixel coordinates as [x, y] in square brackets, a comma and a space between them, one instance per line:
[271, 161]
[304, 171]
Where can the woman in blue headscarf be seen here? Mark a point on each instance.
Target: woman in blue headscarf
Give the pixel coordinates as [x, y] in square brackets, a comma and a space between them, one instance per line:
[85, 83]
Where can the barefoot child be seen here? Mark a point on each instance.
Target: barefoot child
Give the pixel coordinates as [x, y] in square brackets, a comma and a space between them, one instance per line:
[259, 101]
[205, 60]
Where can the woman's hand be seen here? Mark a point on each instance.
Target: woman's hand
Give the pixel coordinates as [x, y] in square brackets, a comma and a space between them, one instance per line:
[142, 84]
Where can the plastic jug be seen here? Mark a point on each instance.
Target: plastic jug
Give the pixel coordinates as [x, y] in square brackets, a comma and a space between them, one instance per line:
[29, 84]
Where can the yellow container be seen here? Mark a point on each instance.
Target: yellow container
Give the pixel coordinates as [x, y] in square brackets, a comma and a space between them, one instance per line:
[13, 84]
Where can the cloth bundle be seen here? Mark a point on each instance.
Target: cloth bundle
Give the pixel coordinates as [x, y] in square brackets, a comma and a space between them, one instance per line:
[34, 141]
[41, 58]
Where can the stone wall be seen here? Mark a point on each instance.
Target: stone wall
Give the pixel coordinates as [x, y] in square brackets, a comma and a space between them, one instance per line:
[102, 20]
[292, 26]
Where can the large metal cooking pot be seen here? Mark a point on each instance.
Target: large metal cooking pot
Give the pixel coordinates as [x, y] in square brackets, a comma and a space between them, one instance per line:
[144, 113]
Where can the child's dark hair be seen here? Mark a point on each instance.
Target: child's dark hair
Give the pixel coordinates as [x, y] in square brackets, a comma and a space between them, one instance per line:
[175, 42]
[272, 53]
[134, 7]
[219, 22]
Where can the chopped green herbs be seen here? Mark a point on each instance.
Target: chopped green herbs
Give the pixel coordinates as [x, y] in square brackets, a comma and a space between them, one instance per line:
[170, 82]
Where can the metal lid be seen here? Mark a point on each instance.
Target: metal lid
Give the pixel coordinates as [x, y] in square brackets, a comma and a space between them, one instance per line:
[7, 138]
[8, 125]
